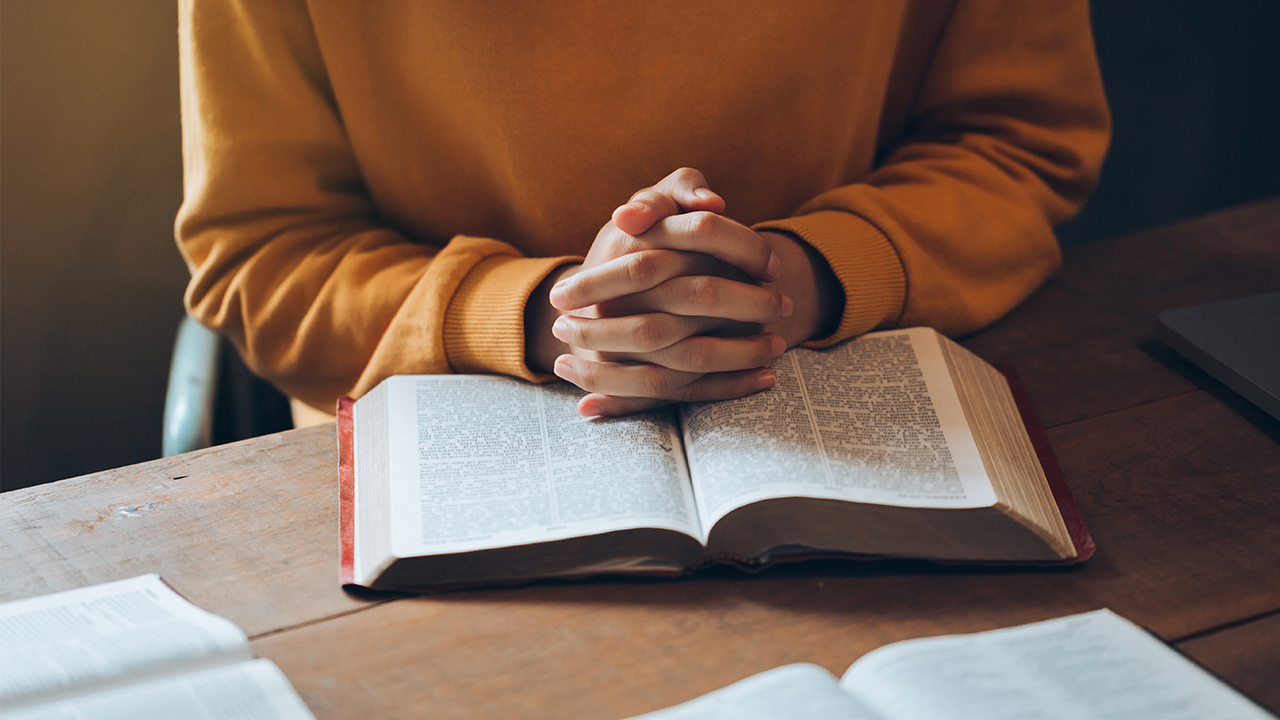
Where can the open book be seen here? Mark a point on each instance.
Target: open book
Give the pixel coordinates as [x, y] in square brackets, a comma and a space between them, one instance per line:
[897, 443]
[132, 649]
[1092, 666]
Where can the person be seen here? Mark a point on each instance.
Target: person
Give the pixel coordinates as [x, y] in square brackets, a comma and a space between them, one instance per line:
[650, 200]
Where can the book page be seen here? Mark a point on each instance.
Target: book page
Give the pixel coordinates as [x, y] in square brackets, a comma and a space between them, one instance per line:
[481, 461]
[95, 636]
[251, 690]
[874, 420]
[791, 691]
[1095, 665]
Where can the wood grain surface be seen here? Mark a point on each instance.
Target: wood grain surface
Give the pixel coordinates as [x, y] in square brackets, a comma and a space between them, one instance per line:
[247, 530]
[1246, 655]
[1085, 344]
[1177, 478]
[1187, 543]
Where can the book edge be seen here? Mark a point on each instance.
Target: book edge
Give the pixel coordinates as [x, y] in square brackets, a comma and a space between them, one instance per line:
[1062, 496]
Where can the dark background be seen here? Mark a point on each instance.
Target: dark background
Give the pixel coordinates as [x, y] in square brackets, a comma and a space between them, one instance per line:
[91, 177]
[1194, 88]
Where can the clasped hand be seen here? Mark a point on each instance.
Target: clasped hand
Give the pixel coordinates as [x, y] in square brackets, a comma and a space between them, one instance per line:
[674, 302]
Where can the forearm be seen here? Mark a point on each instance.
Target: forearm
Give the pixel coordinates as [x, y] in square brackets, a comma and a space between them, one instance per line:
[290, 255]
[1004, 139]
[322, 315]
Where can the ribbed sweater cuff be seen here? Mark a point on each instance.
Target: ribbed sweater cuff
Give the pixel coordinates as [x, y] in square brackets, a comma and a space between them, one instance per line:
[484, 325]
[862, 259]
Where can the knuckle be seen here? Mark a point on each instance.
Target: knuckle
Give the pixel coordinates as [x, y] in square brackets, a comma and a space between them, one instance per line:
[580, 290]
[577, 333]
[572, 290]
[645, 196]
[775, 302]
[584, 375]
[692, 392]
[763, 251]
[763, 351]
[654, 382]
[696, 354]
[648, 334]
[618, 243]
[702, 225]
[688, 176]
[703, 291]
[642, 269]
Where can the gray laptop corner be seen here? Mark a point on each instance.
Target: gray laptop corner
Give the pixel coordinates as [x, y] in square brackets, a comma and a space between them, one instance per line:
[1236, 341]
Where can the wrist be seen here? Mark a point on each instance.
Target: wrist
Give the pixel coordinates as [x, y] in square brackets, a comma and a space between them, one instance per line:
[541, 347]
[813, 288]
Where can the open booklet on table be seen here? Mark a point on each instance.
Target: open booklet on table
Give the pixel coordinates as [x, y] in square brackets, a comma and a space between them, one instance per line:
[132, 649]
[898, 443]
[1093, 666]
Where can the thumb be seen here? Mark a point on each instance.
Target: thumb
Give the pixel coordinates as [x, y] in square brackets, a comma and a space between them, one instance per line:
[684, 190]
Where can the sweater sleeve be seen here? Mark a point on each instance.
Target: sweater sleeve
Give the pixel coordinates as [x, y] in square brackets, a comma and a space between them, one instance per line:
[286, 254]
[1004, 139]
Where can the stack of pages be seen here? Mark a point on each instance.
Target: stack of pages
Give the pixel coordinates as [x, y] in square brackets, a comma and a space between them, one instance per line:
[1095, 666]
[133, 649]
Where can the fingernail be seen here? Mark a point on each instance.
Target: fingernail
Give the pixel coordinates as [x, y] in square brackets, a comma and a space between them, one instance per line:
[765, 379]
[788, 307]
[558, 296]
[778, 346]
[560, 328]
[775, 267]
[704, 193]
[561, 368]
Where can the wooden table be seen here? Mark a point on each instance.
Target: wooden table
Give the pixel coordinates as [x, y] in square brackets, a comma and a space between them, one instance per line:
[1177, 477]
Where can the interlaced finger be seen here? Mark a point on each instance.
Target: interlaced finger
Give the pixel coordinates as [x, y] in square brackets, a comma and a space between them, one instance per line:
[642, 333]
[684, 190]
[650, 382]
[656, 382]
[719, 237]
[632, 273]
[704, 296]
[706, 354]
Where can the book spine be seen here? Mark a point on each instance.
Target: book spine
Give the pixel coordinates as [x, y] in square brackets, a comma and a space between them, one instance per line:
[346, 493]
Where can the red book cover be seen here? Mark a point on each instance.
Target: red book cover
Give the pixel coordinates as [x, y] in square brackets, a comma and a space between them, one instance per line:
[346, 493]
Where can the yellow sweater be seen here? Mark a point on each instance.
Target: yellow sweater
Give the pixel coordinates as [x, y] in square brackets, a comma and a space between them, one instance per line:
[375, 188]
